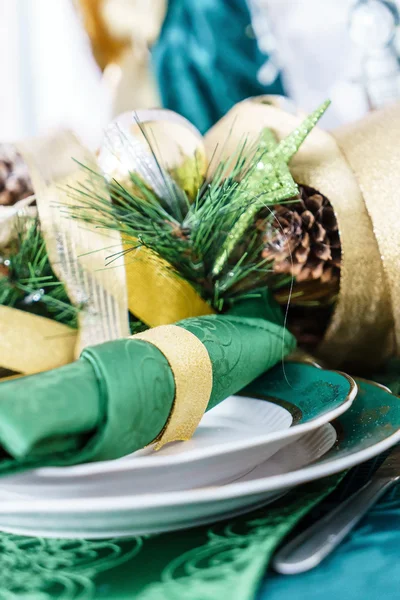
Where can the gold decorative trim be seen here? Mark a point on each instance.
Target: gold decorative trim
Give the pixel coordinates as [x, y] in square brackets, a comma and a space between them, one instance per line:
[192, 370]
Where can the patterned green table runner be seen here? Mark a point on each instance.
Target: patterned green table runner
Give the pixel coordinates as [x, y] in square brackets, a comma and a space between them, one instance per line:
[223, 560]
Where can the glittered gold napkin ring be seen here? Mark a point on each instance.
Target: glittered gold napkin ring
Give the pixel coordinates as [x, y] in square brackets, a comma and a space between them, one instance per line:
[192, 370]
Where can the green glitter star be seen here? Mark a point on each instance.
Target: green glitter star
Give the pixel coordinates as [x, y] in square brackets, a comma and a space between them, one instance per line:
[268, 181]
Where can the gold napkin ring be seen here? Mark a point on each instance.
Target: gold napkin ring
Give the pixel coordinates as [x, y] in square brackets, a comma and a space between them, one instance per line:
[192, 370]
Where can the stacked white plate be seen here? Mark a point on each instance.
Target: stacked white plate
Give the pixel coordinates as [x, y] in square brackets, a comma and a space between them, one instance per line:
[245, 453]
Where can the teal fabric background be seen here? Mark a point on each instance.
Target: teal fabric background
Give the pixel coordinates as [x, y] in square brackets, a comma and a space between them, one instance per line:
[366, 565]
[206, 59]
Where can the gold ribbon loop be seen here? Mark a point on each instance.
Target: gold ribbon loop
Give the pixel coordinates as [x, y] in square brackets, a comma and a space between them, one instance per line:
[78, 251]
[192, 370]
[372, 148]
[31, 344]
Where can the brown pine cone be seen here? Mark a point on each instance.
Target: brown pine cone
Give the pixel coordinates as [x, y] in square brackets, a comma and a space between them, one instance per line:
[15, 182]
[303, 238]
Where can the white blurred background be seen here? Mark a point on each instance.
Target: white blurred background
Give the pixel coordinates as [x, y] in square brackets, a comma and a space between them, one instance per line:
[49, 77]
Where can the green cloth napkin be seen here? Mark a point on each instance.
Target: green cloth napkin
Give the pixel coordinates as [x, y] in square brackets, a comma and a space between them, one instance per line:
[117, 397]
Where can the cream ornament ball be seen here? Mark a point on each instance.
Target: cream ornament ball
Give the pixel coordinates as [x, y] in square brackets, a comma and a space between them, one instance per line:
[141, 142]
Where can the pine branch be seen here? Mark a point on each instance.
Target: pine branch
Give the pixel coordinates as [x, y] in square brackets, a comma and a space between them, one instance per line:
[27, 280]
[28, 283]
[211, 242]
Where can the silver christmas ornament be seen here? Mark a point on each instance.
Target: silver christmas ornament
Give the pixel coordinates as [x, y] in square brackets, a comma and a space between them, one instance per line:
[373, 26]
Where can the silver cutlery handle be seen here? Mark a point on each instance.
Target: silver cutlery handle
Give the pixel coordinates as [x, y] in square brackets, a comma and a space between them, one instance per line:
[309, 548]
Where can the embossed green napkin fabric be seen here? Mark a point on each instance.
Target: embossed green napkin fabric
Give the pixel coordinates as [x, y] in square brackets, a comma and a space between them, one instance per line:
[117, 397]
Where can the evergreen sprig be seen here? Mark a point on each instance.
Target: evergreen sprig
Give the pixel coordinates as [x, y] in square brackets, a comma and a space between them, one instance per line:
[212, 243]
[188, 244]
[27, 280]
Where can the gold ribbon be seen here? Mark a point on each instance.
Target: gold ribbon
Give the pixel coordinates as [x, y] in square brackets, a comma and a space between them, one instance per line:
[78, 251]
[356, 168]
[155, 295]
[192, 370]
[78, 254]
[372, 148]
[31, 344]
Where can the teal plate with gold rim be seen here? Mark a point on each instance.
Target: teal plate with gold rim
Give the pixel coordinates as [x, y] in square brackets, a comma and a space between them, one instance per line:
[308, 392]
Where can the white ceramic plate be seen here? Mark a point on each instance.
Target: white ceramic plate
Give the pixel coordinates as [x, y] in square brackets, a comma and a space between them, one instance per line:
[214, 455]
[369, 427]
[119, 517]
[231, 440]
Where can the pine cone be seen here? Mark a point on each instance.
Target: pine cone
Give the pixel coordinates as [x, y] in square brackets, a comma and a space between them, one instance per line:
[4, 270]
[15, 182]
[303, 238]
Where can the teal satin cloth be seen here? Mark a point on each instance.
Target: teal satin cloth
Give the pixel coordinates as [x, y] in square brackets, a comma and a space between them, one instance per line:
[206, 59]
[366, 565]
